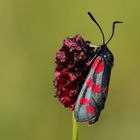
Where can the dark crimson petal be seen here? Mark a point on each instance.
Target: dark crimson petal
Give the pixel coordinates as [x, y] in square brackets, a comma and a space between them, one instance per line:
[69, 43]
[60, 56]
[56, 74]
[71, 69]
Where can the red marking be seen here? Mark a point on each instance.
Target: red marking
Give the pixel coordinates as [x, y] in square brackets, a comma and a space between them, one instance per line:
[95, 63]
[106, 90]
[56, 74]
[96, 89]
[90, 110]
[88, 63]
[100, 67]
[89, 83]
[84, 101]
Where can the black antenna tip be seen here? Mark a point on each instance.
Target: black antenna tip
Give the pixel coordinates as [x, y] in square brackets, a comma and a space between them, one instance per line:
[118, 22]
[113, 29]
[90, 15]
[88, 12]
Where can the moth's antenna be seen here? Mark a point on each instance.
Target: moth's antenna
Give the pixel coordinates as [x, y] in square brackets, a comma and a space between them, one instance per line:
[113, 30]
[91, 16]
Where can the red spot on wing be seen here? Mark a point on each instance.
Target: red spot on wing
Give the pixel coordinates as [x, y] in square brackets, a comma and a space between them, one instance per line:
[95, 63]
[106, 90]
[84, 101]
[90, 110]
[100, 67]
[89, 83]
[96, 89]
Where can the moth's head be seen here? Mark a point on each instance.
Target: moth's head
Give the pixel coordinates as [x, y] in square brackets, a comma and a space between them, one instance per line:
[103, 36]
[103, 48]
[106, 54]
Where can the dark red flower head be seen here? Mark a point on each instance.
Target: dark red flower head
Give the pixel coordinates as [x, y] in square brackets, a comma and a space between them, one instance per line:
[71, 69]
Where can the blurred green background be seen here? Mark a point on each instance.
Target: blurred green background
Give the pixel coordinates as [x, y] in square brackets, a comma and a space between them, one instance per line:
[31, 32]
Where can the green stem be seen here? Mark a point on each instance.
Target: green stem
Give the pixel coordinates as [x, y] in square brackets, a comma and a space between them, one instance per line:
[75, 128]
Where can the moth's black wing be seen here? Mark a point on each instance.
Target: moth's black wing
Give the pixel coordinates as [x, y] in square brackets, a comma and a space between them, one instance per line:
[93, 94]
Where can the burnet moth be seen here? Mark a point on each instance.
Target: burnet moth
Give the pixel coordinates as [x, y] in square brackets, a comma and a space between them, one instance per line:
[93, 94]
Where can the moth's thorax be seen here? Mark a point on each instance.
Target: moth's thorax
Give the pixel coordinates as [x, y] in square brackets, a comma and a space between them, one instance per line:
[106, 54]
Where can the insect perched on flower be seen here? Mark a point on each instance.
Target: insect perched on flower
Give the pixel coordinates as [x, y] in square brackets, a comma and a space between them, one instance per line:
[83, 74]
[94, 91]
